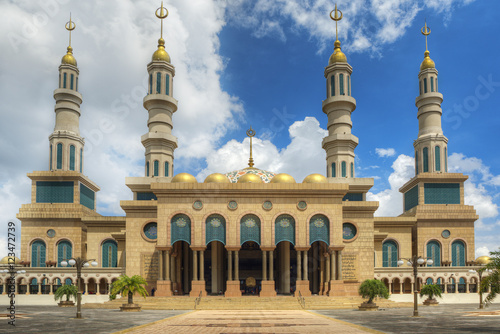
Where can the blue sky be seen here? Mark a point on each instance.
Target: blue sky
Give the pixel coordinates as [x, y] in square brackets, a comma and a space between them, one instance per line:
[256, 63]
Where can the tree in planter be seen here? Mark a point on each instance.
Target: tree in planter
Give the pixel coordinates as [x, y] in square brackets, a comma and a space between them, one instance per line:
[430, 290]
[129, 286]
[372, 288]
[68, 291]
[493, 279]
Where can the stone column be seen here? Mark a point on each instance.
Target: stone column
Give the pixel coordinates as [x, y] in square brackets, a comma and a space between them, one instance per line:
[230, 265]
[160, 265]
[390, 287]
[173, 266]
[185, 256]
[445, 287]
[321, 270]
[400, 287]
[299, 265]
[5, 287]
[86, 288]
[215, 266]
[195, 265]
[412, 288]
[39, 288]
[271, 266]
[333, 265]
[315, 287]
[328, 268]
[340, 265]
[167, 265]
[236, 266]
[456, 286]
[467, 287]
[202, 265]
[109, 287]
[306, 275]
[264, 265]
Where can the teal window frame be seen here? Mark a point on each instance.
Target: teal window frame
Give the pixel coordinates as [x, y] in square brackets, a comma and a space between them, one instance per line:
[341, 84]
[458, 253]
[411, 198]
[87, 197]
[38, 253]
[389, 254]
[334, 169]
[437, 153]
[425, 85]
[432, 84]
[147, 168]
[50, 160]
[434, 252]
[445, 159]
[72, 150]
[349, 85]
[426, 159]
[416, 162]
[158, 83]
[436, 84]
[166, 168]
[156, 168]
[64, 251]
[59, 155]
[344, 168]
[215, 232]
[167, 84]
[65, 78]
[107, 260]
[77, 84]
[81, 160]
[332, 85]
[72, 78]
[151, 83]
[352, 169]
[420, 87]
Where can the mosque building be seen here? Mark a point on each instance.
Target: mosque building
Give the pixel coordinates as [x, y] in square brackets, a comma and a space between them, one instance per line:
[248, 231]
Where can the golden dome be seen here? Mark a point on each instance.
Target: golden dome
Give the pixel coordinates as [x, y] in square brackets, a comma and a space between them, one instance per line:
[315, 178]
[68, 57]
[428, 62]
[483, 260]
[283, 178]
[250, 178]
[161, 53]
[5, 260]
[216, 178]
[184, 178]
[337, 56]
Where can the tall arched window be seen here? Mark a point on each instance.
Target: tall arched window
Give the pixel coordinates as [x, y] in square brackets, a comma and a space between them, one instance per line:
[156, 168]
[344, 169]
[59, 156]
[425, 85]
[50, 161]
[166, 168]
[72, 78]
[436, 84]
[109, 254]
[151, 83]
[167, 84]
[38, 253]
[416, 162]
[319, 229]
[284, 229]
[434, 252]
[458, 254]
[445, 160]
[352, 169]
[215, 229]
[64, 251]
[147, 168]
[250, 229]
[334, 169]
[349, 85]
[426, 159]
[390, 254]
[72, 157]
[437, 151]
[420, 87]
[341, 84]
[432, 84]
[332, 85]
[65, 79]
[81, 160]
[158, 83]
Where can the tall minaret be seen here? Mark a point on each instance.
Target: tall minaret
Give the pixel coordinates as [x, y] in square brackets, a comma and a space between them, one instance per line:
[66, 144]
[159, 141]
[431, 151]
[339, 104]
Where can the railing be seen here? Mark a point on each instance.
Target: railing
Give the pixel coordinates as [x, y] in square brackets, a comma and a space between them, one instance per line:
[301, 300]
[197, 300]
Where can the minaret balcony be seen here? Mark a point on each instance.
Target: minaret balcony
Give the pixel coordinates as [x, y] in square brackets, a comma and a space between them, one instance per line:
[339, 102]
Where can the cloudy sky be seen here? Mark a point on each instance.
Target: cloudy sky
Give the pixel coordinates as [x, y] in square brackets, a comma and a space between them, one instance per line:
[259, 63]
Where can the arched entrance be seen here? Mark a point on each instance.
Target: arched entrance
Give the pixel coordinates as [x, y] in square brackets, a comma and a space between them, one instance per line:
[91, 286]
[317, 267]
[250, 268]
[286, 256]
[181, 262]
[215, 256]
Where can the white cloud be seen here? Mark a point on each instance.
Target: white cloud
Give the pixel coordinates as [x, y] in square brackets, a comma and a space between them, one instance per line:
[482, 251]
[385, 152]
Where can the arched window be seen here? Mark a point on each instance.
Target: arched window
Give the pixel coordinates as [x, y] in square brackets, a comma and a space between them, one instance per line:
[77, 84]
[158, 83]
[434, 252]
[437, 151]
[38, 251]
[390, 254]
[151, 83]
[166, 168]
[426, 159]
[432, 84]
[445, 160]
[416, 162]
[68, 281]
[72, 157]
[284, 229]
[215, 229]
[60, 82]
[334, 169]
[50, 160]
[352, 169]
[425, 85]
[420, 87]
[81, 160]
[319, 229]
[436, 84]
[180, 228]
[65, 78]
[428, 281]
[167, 84]
[72, 78]
[458, 254]
[147, 168]
[64, 251]
[349, 85]
[341, 84]
[156, 168]
[250, 229]
[59, 156]
[332, 85]
[109, 254]
[344, 169]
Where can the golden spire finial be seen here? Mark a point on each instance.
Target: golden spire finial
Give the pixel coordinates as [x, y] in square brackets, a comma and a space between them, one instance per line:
[163, 14]
[68, 57]
[338, 56]
[161, 54]
[70, 26]
[426, 31]
[336, 18]
[250, 133]
[427, 63]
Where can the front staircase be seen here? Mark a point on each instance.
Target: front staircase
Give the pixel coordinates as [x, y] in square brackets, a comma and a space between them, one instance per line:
[245, 303]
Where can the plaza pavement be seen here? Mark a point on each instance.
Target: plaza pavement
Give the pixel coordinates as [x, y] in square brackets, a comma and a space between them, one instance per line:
[442, 319]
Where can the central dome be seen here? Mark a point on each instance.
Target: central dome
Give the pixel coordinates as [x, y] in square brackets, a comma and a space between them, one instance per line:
[264, 175]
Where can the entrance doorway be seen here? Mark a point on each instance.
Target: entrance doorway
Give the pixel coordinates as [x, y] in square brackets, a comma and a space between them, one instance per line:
[285, 268]
[181, 273]
[250, 258]
[317, 267]
[215, 268]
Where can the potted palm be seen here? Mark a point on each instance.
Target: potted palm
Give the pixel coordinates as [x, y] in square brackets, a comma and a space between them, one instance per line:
[431, 290]
[372, 288]
[68, 291]
[128, 286]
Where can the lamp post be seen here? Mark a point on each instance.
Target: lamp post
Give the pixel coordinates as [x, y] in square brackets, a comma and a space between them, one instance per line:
[414, 262]
[79, 263]
[480, 274]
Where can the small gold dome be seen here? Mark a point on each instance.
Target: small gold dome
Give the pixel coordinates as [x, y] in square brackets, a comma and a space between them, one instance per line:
[68, 57]
[216, 178]
[184, 178]
[315, 178]
[283, 178]
[428, 62]
[5, 260]
[161, 53]
[249, 178]
[483, 260]
[337, 56]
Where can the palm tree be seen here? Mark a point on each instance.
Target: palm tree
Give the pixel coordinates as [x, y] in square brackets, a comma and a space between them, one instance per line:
[66, 290]
[430, 290]
[493, 279]
[372, 288]
[126, 285]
